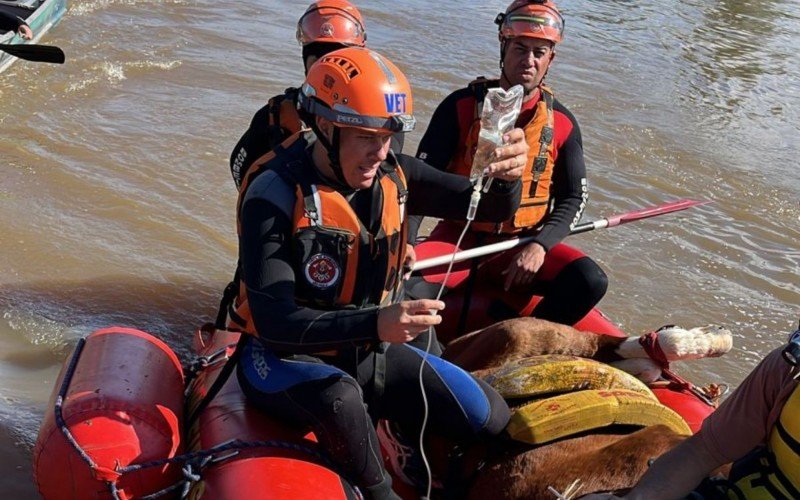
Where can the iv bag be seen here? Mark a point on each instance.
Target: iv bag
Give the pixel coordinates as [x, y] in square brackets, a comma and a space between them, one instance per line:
[500, 111]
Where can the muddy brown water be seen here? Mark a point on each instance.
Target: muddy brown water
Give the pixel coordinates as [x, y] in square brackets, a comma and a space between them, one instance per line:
[117, 207]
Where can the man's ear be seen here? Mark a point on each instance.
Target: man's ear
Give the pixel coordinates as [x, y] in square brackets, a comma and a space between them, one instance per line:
[325, 126]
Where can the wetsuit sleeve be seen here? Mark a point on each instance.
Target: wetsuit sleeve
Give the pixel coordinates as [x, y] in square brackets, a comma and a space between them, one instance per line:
[414, 223]
[252, 145]
[437, 147]
[9, 22]
[285, 326]
[443, 195]
[440, 141]
[569, 189]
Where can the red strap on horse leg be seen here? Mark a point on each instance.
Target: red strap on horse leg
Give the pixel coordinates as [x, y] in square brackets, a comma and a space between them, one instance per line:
[649, 343]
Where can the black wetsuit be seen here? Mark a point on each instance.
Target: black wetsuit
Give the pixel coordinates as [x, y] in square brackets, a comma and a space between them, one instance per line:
[9, 22]
[328, 392]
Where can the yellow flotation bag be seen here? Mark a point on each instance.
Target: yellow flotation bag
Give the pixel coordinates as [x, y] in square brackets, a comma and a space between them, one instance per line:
[557, 374]
[560, 416]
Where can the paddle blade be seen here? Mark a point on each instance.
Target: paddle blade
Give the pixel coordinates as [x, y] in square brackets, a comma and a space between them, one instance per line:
[666, 208]
[36, 53]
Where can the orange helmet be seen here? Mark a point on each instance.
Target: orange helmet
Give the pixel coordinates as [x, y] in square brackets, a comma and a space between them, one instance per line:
[357, 87]
[332, 21]
[532, 19]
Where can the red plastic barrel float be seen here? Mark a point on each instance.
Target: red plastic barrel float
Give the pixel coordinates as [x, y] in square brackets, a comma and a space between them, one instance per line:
[120, 399]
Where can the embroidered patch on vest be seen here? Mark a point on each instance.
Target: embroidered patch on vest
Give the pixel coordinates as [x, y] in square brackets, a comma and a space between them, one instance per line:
[322, 271]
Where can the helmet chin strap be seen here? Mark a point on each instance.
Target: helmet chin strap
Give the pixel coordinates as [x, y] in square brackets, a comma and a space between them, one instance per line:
[503, 43]
[333, 156]
[332, 147]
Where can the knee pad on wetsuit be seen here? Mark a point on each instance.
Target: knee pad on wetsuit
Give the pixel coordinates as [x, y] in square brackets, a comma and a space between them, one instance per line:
[568, 294]
[573, 292]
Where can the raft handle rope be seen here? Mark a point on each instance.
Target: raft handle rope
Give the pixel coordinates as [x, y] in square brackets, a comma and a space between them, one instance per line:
[198, 460]
[474, 201]
[189, 475]
[200, 363]
[58, 407]
[224, 373]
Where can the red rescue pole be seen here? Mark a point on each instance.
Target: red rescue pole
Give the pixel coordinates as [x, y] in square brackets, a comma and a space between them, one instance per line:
[614, 220]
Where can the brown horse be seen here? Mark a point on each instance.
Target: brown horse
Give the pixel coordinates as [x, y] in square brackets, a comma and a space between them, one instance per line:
[601, 461]
[519, 338]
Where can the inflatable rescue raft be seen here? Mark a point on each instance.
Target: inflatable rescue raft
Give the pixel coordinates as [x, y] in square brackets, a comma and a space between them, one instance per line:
[117, 425]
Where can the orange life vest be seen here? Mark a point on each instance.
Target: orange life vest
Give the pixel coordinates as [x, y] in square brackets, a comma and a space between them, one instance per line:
[338, 262]
[296, 143]
[283, 121]
[538, 174]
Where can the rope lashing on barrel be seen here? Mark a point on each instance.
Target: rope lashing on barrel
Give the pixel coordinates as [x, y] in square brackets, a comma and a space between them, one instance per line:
[192, 463]
[195, 462]
[200, 363]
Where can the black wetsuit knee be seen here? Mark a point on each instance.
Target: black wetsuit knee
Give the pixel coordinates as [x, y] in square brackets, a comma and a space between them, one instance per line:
[306, 393]
[573, 292]
[499, 412]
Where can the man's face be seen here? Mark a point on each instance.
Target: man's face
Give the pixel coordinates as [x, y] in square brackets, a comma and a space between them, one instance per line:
[361, 153]
[526, 61]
